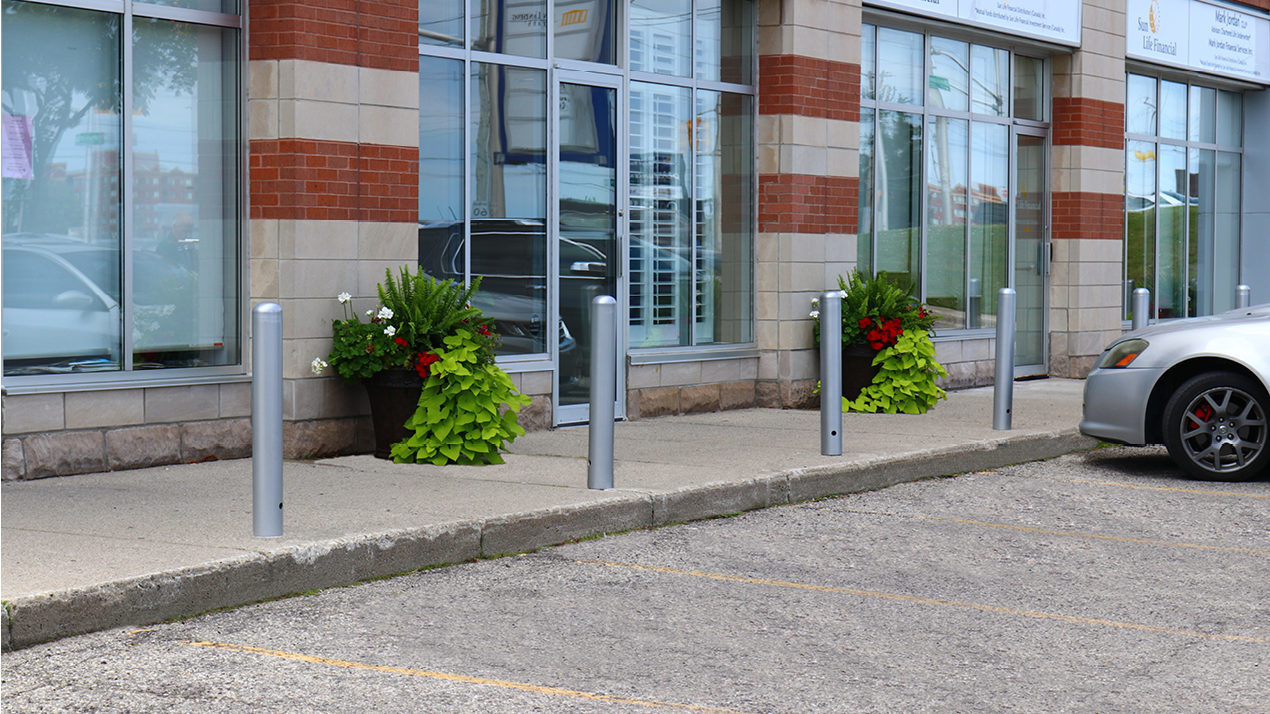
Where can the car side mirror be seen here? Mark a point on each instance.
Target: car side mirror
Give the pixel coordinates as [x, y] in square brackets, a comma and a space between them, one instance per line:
[587, 267]
[74, 300]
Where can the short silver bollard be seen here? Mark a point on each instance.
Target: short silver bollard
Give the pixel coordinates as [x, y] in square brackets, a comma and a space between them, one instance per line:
[831, 374]
[1003, 388]
[266, 420]
[1243, 296]
[603, 392]
[1141, 307]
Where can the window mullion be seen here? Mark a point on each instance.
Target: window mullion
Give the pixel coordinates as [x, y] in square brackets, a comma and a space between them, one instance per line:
[126, 193]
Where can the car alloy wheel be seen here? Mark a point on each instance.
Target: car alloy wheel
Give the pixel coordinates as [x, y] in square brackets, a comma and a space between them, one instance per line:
[1215, 427]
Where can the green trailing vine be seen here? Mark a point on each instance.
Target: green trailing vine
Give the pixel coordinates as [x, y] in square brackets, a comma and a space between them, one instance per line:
[905, 382]
[467, 409]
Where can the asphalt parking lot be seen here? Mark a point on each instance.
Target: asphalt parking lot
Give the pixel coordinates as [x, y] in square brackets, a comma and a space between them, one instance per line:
[1101, 581]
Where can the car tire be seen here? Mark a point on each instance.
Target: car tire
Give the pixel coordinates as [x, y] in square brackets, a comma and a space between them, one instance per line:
[1215, 427]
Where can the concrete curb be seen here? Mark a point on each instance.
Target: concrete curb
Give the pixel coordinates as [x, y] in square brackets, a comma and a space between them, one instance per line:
[261, 576]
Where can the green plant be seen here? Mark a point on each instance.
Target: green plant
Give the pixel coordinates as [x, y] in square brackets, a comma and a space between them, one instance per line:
[467, 409]
[905, 382]
[877, 310]
[415, 314]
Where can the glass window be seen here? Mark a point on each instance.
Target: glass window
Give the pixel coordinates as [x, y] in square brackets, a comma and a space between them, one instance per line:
[441, 22]
[661, 32]
[509, 202]
[864, 226]
[990, 81]
[1139, 220]
[441, 169]
[1230, 119]
[514, 28]
[868, 60]
[1140, 105]
[586, 30]
[1203, 115]
[1029, 88]
[661, 219]
[989, 219]
[184, 124]
[949, 74]
[898, 220]
[724, 46]
[1182, 217]
[946, 209]
[1173, 110]
[724, 217]
[900, 59]
[62, 174]
[66, 244]
[227, 6]
[1172, 219]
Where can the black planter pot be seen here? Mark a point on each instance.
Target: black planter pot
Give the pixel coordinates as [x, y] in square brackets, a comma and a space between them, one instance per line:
[858, 369]
[394, 396]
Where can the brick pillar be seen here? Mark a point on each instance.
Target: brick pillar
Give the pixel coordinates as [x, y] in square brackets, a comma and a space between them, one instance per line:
[334, 116]
[808, 165]
[1087, 219]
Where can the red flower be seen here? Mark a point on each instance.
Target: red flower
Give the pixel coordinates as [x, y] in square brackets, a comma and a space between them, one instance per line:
[400, 340]
[425, 359]
[865, 322]
[483, 329]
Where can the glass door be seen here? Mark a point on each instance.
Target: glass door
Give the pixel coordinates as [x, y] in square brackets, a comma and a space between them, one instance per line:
[1031, 255]
[585, 234]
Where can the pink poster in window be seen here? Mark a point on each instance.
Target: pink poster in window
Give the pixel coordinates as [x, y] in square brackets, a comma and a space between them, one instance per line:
[17, 147]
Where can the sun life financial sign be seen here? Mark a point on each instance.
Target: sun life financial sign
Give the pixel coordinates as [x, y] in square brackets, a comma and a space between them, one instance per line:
[1200, 36]
[1050, 20]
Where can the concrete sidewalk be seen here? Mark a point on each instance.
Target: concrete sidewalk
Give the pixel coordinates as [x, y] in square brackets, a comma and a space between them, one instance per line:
[89, 552]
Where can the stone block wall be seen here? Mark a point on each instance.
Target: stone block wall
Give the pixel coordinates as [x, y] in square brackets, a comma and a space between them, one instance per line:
[691, 387]
[808, 178]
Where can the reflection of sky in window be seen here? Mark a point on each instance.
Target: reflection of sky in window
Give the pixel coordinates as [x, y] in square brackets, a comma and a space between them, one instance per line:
[169, 130]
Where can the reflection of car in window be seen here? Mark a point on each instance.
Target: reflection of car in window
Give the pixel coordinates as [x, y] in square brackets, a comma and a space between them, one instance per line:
[61, 305]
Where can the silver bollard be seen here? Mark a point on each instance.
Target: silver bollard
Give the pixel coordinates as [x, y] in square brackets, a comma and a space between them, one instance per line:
[974, 304]
[1243, 296]
[1141, 308]
[266, 420]
[831, 374]
[599, 473]
[1003, 388]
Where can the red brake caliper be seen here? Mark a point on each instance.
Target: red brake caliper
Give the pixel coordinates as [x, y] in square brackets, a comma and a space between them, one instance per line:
[1203, 414]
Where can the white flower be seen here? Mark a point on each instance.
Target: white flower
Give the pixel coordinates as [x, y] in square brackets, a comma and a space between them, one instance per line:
[390, 330]
[842, 294]
[370, 312]
[318, 365]
[815, 314]
[343, 297]
[815, 303]
[385, 313]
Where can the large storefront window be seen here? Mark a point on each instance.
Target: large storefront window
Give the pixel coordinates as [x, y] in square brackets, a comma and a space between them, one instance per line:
[121, 191]
[686, 164]
[1183, 161]
[938, 117]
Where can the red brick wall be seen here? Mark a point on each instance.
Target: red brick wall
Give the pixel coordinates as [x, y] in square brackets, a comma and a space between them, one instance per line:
[1079, 121]
[797, 203]
[1087, 215]
[302, 179]
[382, 34]
[792, 84]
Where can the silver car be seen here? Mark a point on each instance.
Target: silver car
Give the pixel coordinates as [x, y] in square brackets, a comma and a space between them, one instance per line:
[1199, 386]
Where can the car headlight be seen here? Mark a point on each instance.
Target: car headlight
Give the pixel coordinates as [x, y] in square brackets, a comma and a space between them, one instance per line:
[1122, 354]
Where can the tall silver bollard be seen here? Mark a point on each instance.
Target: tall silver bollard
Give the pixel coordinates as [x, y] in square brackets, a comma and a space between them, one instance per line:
[266, 420]
[831, 374]
[1141, 308]
[599, 473]
[1003, 389]
[1243, 296]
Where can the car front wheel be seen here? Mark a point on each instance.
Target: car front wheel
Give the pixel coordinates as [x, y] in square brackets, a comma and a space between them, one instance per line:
[1215, 427]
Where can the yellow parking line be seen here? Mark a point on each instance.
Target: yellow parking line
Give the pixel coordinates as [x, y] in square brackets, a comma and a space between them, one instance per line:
[536, 689]
[931, 601]
[1236, 494]
[1072, 534]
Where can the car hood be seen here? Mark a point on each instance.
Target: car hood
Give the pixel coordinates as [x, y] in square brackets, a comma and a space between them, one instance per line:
[1246, 314]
